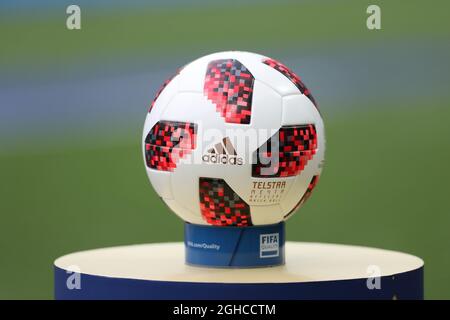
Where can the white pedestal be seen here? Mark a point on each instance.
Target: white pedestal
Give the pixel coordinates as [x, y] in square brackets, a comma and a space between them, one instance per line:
[312, 271]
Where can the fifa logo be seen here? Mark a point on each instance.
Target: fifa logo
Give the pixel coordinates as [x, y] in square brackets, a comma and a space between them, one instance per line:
[222, 153]
[269, 245]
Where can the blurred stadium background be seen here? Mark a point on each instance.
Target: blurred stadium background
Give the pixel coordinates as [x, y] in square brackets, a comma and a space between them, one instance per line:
[72, 106]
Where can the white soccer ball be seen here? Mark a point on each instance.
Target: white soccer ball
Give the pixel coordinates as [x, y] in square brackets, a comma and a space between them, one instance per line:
[234, 139]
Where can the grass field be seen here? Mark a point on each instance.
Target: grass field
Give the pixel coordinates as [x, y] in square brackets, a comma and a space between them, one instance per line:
[384, 185]
[43, 41]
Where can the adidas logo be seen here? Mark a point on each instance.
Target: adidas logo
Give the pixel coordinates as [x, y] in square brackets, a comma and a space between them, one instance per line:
[223, 153]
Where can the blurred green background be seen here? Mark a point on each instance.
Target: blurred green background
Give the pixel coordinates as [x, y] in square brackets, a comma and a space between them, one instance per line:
[72, 106]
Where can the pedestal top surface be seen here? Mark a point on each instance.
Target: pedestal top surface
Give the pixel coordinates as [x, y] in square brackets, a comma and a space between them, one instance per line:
[305, 262]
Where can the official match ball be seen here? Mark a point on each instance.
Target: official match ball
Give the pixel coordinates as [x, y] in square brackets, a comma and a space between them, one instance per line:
[234, 139]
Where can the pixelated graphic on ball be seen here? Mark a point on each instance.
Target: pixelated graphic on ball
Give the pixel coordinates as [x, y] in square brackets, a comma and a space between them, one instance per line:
[234, 139]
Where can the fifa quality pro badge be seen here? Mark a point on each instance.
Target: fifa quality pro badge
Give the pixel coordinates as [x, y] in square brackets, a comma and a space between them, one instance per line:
[269, 245]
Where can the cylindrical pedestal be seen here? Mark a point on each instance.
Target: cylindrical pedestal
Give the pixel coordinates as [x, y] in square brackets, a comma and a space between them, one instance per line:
[312, 271]
[238, 247]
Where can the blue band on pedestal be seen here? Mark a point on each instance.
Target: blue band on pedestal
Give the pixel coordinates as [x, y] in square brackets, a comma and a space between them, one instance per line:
[256, 246]
[406, 285]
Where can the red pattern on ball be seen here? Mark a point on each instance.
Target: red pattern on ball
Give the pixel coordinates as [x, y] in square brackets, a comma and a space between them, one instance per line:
[168, 142]
[229, 85]
[221, 206]
[163, 86]
[286, 153]
[295, 79]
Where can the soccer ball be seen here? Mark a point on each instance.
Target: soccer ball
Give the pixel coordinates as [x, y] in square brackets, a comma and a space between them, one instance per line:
[234, 139]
